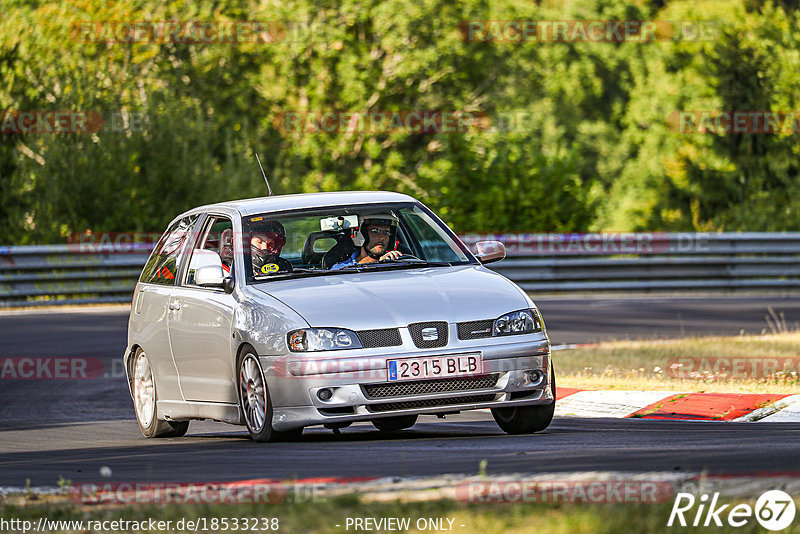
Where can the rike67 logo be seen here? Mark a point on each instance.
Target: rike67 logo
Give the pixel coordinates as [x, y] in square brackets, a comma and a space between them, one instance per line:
[774, 510]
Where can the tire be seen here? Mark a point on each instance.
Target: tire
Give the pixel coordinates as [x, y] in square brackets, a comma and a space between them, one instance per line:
[178, 430]
[527, 419]
[145, 397]
[255, 403]
[393, 424]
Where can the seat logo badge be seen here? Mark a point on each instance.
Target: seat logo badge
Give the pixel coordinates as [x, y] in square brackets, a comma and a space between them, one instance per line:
[430, 334]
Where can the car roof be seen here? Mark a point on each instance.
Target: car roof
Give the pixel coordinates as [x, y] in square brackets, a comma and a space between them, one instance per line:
[250, 206]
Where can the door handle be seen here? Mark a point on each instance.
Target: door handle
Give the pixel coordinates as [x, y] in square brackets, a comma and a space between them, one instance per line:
[174, 305]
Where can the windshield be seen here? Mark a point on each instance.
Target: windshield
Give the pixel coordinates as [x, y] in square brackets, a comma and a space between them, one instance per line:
[338, 240]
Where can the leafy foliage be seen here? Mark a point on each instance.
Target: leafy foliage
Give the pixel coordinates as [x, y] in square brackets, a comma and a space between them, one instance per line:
[576, 135]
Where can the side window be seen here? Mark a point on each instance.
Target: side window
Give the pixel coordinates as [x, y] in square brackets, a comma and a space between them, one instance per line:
[162, 266]
[215, 247]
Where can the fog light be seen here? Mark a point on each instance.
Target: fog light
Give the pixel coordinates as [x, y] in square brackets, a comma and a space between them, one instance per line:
[535, 377]
[324, 394]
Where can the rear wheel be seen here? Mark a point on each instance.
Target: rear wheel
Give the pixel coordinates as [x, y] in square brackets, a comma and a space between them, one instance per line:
[145, 397]
[527, 419]
[393, 424]
[255, 402]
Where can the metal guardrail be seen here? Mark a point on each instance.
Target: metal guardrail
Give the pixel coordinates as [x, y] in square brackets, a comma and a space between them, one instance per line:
[640, 262]
[62, 274]
[644, 262]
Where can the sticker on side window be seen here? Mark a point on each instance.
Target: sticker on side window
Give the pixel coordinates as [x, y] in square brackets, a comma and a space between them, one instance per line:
[270, 268]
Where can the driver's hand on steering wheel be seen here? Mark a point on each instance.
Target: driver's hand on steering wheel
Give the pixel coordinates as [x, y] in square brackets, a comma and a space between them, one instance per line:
[391, 255]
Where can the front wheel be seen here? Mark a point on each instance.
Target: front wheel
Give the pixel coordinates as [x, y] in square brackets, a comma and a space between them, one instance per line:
[527, 419]
[393, 424]
[255, 402]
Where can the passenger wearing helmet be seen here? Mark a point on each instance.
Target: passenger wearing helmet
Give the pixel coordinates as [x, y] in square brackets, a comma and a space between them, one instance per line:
[266, 243]
[376, 239]
[226, 249]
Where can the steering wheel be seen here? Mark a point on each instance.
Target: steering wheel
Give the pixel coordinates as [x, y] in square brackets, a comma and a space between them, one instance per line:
[403, 257]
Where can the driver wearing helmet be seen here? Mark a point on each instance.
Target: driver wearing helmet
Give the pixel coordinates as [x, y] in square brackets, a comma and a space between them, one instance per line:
[376, 240]
[266, 242]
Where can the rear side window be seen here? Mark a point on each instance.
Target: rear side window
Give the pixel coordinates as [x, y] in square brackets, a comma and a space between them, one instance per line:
[162, 266]
[214, 247]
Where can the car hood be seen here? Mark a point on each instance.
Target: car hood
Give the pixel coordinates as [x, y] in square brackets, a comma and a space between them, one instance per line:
[384, 299]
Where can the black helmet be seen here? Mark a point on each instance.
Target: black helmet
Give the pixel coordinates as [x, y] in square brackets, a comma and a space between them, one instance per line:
[271, 232]
[269, 227]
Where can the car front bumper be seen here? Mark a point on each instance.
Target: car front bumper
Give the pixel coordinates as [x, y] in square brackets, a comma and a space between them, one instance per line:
[505, 381]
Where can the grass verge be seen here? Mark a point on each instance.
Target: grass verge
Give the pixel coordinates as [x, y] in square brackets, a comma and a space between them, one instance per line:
[323, 517]
[739, 364]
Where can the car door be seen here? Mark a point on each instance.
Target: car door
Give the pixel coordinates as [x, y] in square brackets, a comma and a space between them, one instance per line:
[148, 320]
[200, 322]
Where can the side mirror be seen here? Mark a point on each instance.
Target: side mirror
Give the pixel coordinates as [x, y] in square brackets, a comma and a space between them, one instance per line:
[227, 284]
[490, 251]
[213, 276]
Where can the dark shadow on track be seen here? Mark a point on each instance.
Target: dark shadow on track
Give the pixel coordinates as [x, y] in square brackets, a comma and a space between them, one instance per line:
[569, 445]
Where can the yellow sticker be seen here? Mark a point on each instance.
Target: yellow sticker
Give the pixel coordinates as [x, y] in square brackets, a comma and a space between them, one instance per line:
[270, 268]
[254, 219]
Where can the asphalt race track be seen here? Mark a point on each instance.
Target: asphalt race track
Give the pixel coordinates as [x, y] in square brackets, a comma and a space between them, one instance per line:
[53, 428]
[217, 452]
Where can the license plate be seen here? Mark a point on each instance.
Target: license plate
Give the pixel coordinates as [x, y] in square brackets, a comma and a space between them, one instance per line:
[435, 367]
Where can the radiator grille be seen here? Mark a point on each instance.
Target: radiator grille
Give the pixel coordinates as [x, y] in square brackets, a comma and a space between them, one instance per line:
[421, 387]
[475, 329]
[429, 403]
[417, 335]
[385, 337]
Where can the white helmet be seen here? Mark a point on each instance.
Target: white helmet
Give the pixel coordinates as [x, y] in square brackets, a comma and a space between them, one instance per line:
[361, 235]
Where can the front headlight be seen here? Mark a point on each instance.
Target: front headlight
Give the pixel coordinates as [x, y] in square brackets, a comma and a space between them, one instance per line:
[317, 339]
[518, 322]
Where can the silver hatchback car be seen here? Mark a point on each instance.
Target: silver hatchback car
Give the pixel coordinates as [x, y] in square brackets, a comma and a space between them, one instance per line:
[324, 309]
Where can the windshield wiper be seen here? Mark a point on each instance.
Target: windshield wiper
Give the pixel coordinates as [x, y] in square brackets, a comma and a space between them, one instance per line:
[392, 264]
[417, 261]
